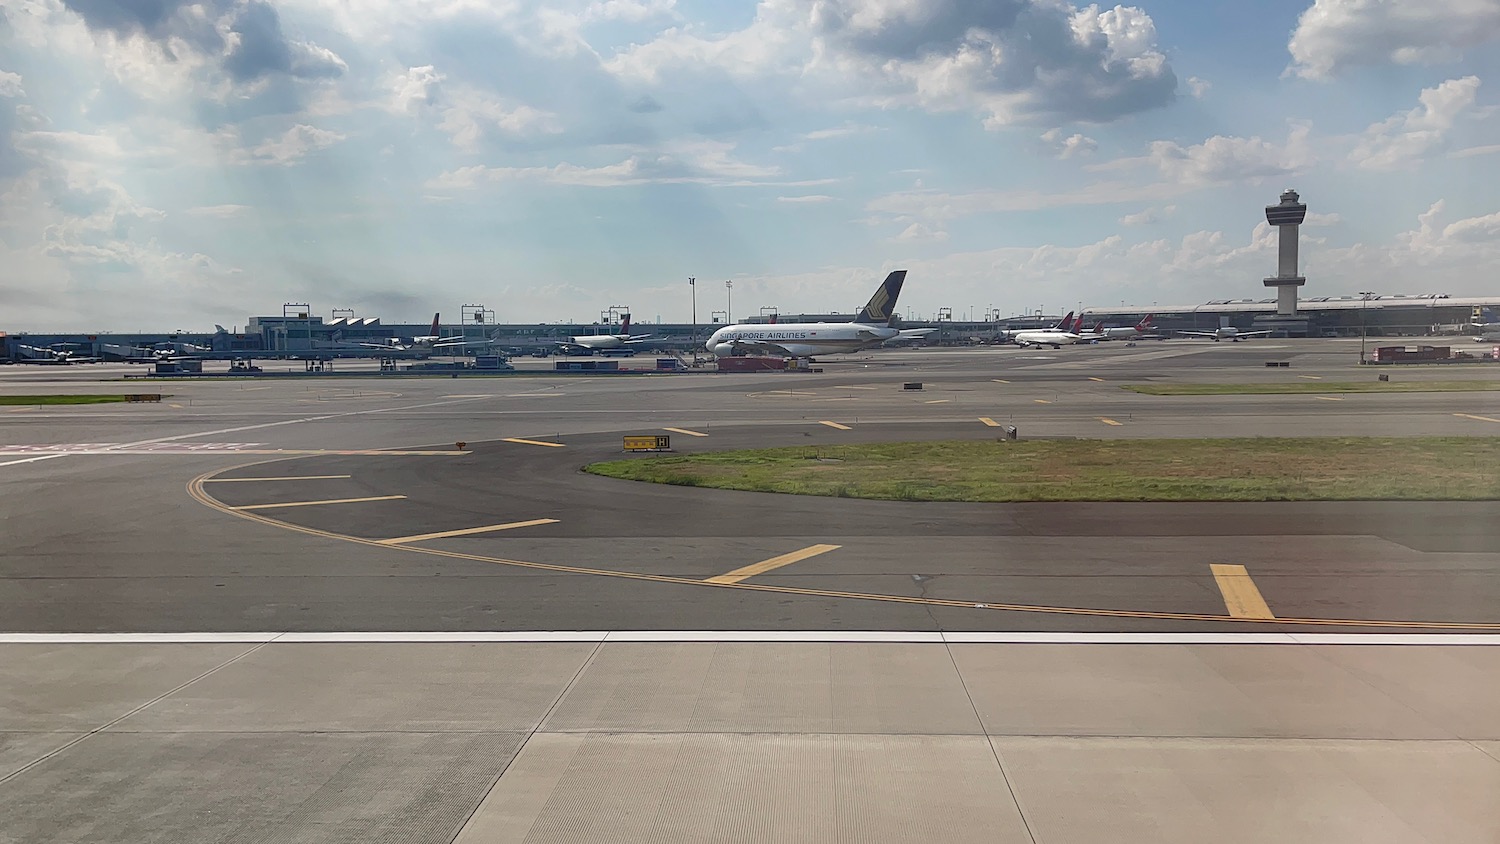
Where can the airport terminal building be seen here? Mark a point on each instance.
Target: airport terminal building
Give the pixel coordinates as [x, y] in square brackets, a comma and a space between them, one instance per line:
[302, 333]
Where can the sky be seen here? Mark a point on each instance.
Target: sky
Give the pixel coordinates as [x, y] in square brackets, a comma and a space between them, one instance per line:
[166, 164]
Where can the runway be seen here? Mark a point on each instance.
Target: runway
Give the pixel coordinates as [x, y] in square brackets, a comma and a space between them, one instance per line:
[260, 582]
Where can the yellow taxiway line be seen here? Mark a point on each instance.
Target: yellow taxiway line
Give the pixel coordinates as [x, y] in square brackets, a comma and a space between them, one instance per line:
[1106, 420]
[1041, 401]
[774, 563]
[1092, 378]
[686, 432]
[1328, 398]
[1241, 597]
[1311, 377]
[1000, 380]
[833, 425]
[315, 503]
[423, 537]
[287, 478]
[1480, 418]
[195, 490]
[989, 423]
[937, 401]
[523, 441]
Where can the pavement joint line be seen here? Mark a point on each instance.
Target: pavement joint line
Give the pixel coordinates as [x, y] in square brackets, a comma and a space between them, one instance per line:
[196, 492]
[1241, 597]
[832, 424]
[285, 478]
[523, 441]
[445, 534]
[316, 503]
[1108, 421]
[686, 432]
[772, 564]
[1463, 415]
[439, 637]
[988, 422]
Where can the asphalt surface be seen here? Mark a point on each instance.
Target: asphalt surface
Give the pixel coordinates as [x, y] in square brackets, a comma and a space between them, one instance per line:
[142, 533]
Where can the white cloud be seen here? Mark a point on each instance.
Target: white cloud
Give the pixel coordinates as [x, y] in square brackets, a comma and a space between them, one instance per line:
[632, 11]
[918, 233]
[1009, 60]
[292, 146]
[699, 162]
[1148, 216]
[220, 212]
[466, 114]
[1198, 87]
[1403, 139]
[805, 199]
[1470, 152]
[1076, 144]
[10, 85]
[1333, 35]
[1224, 159]
[844, 131]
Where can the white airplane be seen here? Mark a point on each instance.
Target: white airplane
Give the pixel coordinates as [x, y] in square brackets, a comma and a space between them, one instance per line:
[55, 355]
[1133, 332]
[1226, 332]
[600, 342]
[428, 342]
[1059, 335]
[872, 327]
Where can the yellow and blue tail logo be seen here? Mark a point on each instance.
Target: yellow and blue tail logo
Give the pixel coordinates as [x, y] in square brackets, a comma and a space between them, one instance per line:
[882, 306]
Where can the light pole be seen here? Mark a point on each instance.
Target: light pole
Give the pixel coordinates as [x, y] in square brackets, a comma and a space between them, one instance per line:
[729, 312]
[1364, 296]
[693, 286]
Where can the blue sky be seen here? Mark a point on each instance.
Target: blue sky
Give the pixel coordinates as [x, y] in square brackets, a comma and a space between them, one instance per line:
[166, 164]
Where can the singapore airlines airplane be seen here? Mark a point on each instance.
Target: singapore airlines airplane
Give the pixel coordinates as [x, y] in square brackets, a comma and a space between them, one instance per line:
[800, 340]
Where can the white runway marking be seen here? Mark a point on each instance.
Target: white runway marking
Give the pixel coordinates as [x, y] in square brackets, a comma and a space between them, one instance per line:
[897, 636]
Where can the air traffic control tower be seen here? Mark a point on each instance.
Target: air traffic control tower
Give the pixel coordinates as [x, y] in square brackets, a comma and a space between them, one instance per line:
[1287, 217]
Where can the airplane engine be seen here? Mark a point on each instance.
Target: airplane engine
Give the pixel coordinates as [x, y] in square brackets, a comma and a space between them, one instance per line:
[723, 350]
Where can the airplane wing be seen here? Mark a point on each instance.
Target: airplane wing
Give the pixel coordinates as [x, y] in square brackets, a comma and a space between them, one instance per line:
[1253, 333]
[633, 340]
[760, 347]
[1214, 334]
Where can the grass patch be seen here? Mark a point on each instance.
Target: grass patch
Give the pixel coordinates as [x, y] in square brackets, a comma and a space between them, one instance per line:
[1312, 387]
[78, 399]
[1242, 469]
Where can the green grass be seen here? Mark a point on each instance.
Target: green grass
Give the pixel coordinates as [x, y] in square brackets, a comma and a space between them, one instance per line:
[75, 399]
[1246, 469]
[1312, 387]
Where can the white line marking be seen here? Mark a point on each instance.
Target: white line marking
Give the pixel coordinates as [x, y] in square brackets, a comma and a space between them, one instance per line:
[899, 636]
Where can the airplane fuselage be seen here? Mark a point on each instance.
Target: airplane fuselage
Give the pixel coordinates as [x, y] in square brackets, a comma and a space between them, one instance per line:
[1045, 337]
[803, 339]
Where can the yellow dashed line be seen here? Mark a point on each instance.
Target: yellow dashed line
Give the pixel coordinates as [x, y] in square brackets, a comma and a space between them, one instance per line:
[1041, 401]
[1311, 377]
[686, 432]
[1480, 418]
[1106, 420]
[532, 442]
[989, 422]
[1091, 378]
[315, 503]
[1241, 597]
[774, 563]
[937, 401]
[833, 425]
[423, 537]
[1000, 380]
[1328, 398]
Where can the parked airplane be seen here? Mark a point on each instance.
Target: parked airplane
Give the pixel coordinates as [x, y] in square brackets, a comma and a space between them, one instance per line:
[870, 328]
[433, 342]
[1059, 335]
[600, 342]
[1226, 332]
[1134, 332]
[54, 356]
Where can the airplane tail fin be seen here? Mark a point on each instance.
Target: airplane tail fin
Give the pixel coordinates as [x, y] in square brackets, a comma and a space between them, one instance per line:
[1066, 321]
[625, 325]
[1099, 326]
[435, 327]
[1145, 323]
[881, 309]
